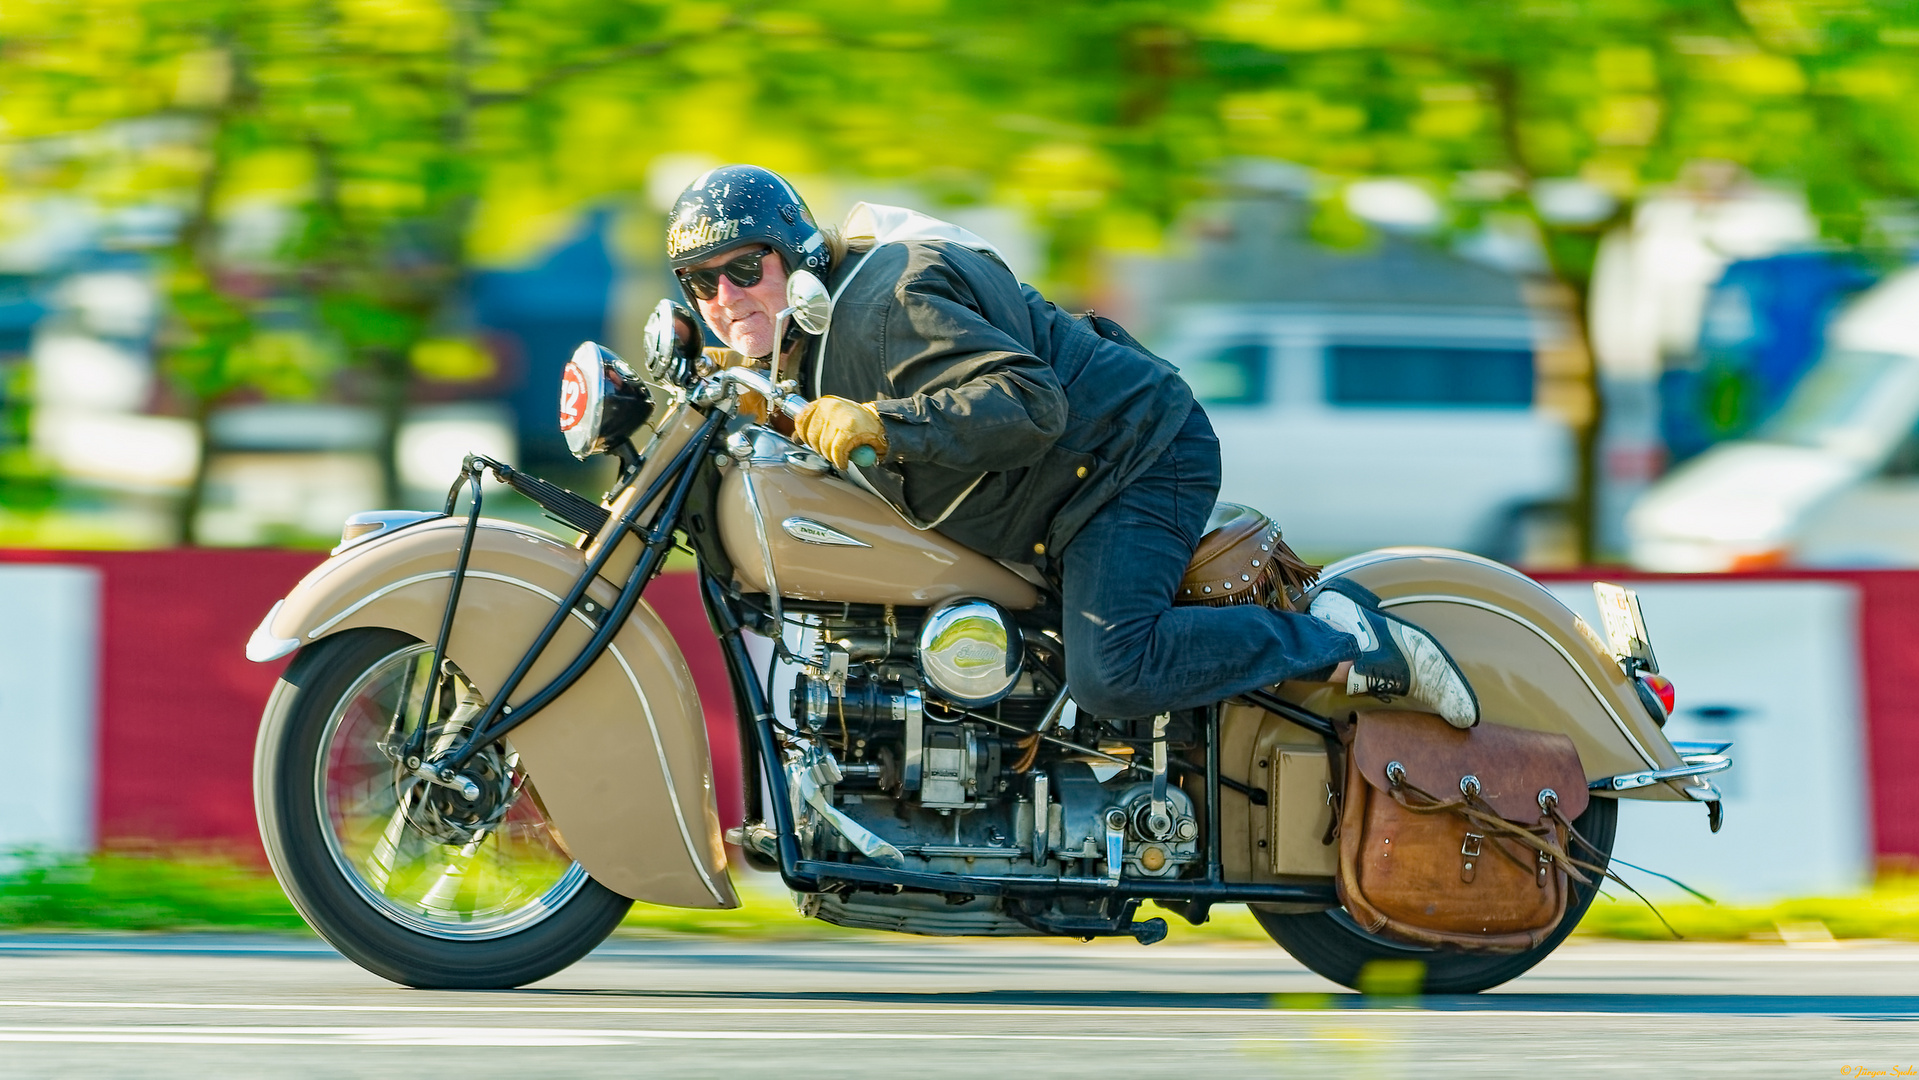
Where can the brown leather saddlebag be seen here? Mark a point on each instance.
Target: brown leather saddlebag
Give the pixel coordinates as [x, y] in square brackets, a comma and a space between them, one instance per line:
[1449, 838]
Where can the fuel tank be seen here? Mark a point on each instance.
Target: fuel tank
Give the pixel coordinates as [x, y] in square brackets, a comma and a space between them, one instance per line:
[789, 524]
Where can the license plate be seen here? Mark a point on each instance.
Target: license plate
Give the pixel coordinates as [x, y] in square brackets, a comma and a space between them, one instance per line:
[1625, 625]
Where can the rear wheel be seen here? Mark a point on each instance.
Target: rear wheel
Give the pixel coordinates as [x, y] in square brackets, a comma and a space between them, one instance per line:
[409, 879]
[1333, 945]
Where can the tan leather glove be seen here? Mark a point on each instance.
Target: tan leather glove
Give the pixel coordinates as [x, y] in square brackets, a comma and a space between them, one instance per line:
[835, 427]
[752, 405]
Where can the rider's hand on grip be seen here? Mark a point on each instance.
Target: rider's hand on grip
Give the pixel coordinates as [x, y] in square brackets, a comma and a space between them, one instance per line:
[752, 405]
[837, 427]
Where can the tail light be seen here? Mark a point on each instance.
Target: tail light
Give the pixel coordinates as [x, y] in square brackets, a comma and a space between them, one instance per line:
[1657, 689]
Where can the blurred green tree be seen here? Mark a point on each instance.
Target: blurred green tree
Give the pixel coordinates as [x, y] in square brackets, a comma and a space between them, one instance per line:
[1497, 106]
[342, 163]
[1104, 119]
[326, 160]
[351, 159]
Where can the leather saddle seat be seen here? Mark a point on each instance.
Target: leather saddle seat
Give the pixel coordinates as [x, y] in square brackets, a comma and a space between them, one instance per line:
[1241, 559]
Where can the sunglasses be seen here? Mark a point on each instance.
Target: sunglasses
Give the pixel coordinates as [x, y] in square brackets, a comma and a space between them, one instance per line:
[742, 270]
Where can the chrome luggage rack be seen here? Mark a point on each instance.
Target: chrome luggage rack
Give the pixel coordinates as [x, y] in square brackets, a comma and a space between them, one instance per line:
[1701, 758]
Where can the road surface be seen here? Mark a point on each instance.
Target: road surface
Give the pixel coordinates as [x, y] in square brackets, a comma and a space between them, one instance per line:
[224, 1006]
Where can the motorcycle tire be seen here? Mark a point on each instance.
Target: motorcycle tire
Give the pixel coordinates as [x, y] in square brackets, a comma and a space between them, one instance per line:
[1334, 946]
[291, 787]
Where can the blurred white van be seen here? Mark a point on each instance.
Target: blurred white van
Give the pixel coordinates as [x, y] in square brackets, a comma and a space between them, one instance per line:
[1361, 428]
[1832, 480]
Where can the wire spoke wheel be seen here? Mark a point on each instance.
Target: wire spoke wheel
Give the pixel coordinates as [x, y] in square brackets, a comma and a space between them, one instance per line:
[423, 854]
[430, 884]
[1333, 945]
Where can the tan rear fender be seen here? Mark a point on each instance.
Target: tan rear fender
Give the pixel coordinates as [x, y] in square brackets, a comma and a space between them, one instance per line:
[620, 760]
[1533, 663]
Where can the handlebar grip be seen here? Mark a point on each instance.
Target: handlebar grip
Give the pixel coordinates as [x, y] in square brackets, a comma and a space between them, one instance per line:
[864, 456]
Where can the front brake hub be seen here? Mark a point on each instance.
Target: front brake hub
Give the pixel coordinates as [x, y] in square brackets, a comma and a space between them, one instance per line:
[446, 816]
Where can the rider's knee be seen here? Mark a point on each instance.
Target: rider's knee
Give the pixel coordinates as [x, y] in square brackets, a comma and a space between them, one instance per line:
[1112, 689]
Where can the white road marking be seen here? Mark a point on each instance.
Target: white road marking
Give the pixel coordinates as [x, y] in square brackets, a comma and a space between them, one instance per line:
[990, 953]
[124, 946]
[645, 1010]
[467, 1036]
[1276, 1009]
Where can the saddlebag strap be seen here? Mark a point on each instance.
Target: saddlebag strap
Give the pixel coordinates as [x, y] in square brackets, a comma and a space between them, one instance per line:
[1483, 817]
[1512, 765]
[1482, 867]
[1338, 745]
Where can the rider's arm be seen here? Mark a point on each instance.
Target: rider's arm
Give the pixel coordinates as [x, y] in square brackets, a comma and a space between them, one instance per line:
[968, 395]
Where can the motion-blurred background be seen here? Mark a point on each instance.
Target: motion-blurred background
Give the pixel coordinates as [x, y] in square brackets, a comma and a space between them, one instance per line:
[1565, 283]
[268, 262]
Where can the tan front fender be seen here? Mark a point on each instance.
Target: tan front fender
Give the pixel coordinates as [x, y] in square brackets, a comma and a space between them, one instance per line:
[620, 759]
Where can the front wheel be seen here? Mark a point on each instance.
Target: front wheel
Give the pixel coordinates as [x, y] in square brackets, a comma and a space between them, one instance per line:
[411, 880]
[1333, 945]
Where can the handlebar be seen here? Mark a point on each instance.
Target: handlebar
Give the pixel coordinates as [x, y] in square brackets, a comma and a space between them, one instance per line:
[790, 404]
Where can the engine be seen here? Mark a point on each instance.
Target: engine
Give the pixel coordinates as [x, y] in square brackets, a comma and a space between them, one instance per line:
[939, 741]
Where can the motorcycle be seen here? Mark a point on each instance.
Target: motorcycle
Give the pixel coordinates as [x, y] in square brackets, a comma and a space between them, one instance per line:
[487, 745]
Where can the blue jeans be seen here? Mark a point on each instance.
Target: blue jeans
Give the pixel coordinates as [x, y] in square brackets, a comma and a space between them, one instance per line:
[1129, 651]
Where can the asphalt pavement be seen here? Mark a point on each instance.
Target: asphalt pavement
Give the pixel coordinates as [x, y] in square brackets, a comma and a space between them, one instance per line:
[211, 1006]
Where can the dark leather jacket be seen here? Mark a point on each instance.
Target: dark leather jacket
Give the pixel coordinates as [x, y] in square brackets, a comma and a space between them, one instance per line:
[992, 397]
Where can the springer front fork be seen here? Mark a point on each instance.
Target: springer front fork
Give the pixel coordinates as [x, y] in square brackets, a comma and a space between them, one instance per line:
[448, 766]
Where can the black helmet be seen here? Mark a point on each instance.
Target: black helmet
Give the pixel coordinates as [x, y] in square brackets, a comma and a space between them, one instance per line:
[740, 204]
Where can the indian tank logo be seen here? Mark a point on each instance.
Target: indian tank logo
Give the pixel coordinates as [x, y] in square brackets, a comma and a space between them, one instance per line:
[808, 531]
[572, 397]
[702, 233]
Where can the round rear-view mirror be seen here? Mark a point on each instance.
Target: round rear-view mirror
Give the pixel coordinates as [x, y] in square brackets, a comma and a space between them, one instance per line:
[808, 300]
[672, 343]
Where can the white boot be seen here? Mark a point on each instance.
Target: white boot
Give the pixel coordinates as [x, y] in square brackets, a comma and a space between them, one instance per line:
[1396, 658]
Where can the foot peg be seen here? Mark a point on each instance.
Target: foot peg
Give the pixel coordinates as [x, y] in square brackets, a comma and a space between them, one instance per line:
[1148, 932]
[754, 837]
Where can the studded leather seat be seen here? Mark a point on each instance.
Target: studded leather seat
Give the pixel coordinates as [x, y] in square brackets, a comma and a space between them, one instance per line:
[1241, 559]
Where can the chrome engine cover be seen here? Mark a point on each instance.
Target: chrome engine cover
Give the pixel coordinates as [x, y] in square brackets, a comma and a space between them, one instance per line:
[911, 747]
[970, 650]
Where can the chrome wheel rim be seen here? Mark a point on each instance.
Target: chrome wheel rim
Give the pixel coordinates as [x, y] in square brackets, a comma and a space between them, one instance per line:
[421, 854]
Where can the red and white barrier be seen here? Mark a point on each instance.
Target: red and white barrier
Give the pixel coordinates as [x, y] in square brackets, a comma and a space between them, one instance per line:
[129, 710]
[152, 739]
[1774, 667]
[1814, 675]
[49, 619]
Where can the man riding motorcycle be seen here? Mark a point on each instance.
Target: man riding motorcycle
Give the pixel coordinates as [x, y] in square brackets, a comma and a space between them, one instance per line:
[1022, 432]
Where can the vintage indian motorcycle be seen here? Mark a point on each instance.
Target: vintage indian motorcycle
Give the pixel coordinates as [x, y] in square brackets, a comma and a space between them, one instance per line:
[488, 745]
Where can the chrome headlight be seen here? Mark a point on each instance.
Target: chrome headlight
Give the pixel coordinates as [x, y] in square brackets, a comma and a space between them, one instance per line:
[601, 401]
